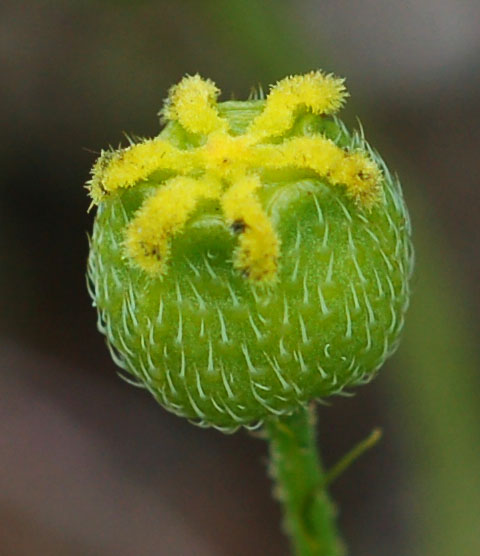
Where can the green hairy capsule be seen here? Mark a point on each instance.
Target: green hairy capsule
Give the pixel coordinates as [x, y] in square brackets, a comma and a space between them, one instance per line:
[253, 257]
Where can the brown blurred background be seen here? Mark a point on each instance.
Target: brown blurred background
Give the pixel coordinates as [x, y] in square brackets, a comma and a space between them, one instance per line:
[90, 465]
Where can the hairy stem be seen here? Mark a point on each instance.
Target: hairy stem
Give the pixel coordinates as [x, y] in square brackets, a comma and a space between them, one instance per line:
[300, 485]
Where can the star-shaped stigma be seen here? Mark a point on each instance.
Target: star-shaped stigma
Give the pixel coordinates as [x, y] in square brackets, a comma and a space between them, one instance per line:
[227, 167]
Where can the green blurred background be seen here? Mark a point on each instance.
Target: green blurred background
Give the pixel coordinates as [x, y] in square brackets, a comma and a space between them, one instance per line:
[90, 465]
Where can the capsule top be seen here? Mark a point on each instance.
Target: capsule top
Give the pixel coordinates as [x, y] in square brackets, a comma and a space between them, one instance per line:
[226, 167]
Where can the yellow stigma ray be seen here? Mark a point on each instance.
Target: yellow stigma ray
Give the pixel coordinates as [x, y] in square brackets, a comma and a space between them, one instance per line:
[259, 247]
[228, 167]
[320, 93]
[161, 216]
[126, 167]
[355, 170]
[192, 102]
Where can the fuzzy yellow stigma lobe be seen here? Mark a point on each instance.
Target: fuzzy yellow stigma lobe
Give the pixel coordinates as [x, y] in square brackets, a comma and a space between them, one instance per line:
[226, 167]
[161, 216]
[258, 250]
[321, 94]
[193, 103]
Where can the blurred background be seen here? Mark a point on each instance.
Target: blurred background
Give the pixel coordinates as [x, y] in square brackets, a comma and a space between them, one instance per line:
[92, 466]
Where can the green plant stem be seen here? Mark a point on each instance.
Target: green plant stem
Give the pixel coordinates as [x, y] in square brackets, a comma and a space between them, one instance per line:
[300, 485]
[351, 456]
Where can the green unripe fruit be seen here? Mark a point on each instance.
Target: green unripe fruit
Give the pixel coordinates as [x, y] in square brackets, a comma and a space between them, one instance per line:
[206, 338]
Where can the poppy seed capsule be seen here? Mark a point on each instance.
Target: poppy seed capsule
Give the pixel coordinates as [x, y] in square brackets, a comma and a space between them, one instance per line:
[251, 258]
